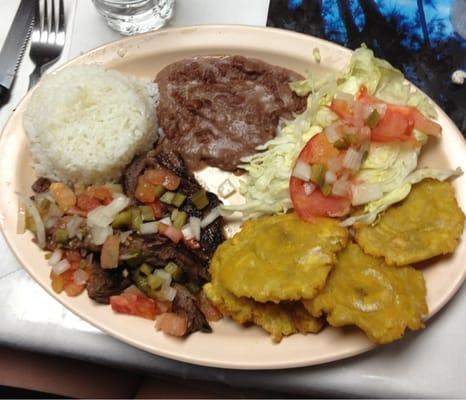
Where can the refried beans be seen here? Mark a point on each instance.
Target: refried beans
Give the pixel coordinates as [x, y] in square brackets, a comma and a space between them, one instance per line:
[216, 110]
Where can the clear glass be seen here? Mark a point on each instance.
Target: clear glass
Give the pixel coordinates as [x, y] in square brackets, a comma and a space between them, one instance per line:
[130, 17]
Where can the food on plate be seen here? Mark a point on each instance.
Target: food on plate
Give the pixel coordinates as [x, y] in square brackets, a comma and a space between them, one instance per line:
[143, 246]
[426, 224]
[216, 110]
[278, 320]
[279, 258]
[342, 151]
[85, 123]
[381, 300]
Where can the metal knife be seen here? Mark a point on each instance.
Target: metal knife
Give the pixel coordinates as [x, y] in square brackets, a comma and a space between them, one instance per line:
[15, 43]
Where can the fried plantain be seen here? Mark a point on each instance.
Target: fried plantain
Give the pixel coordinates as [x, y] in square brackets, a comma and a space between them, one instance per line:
[279, 258]
[277, 319]
[426, 224]
[381, 300]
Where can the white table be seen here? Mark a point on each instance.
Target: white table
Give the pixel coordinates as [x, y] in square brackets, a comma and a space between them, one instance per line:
[431, 363]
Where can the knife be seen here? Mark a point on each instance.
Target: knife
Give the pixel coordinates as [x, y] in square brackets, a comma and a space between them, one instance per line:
[15, 43]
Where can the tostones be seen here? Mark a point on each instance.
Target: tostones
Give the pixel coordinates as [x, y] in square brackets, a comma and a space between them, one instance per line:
[278, 319]
[279, 258]
[426, 224]
[380, 299]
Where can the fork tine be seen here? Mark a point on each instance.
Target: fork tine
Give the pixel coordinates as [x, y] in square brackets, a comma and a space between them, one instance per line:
[53, 24]
[37, 15]
[46, 27]
[61, 16]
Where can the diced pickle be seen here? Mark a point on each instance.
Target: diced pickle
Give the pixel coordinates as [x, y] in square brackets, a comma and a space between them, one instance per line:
[326, 189]
[179, 199]
[373, 119]
[200, 199]
[61, 235]
[318, 174]
[122, 219]
[136, 219]
[147, 213]
[342, 143]
[353, 138]
[146, 269]
[167, 197]
[154, 281]
[180, 219]
[159, 190]
[30, 223]
[174, 270]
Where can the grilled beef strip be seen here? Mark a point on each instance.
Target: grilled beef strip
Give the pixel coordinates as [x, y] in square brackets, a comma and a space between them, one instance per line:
[104, 283]
[185, 303]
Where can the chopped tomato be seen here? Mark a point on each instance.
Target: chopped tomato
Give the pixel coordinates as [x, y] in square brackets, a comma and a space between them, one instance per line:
[110, 254]
[144, 191]
[175, 235]
[172, 324]
[393, 127]
[86, 202]
[76, 211]
[315, 204]
[63, 195]
[162, 177]
[128, 303]
[73, 255]
[341, 108]
[192, 243]
[73, 289]
[157, 208]
[100, 193]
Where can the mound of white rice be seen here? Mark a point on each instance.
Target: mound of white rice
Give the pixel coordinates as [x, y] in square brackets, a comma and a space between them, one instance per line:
[85, 123]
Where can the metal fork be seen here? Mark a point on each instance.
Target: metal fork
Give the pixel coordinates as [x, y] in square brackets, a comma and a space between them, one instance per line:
[48, 37]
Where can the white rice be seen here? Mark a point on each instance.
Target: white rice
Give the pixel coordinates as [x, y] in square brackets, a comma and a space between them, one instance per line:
[85, 123]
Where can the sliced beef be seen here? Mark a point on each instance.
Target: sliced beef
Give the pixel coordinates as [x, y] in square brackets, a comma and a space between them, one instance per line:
[104, 283]
[41, 185]
[185, 303]
[216, 110]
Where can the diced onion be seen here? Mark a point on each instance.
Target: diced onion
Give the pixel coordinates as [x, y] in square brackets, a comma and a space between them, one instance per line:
[166, 293]
[61, 266]
[210, 217]
[226, 189]
[98, 234]
[334, 164]
[330, 177]
[103, 216]
[187, 232]
[73, 224]
[54, 210]
[80, 277]
[34, 213]
[345, 97]
[21, 225]
[166, 221]
[114, 187]
[364, 193]
[164, 276]
[365, 134]
[302, 171]
[124, 235]
[195, 224]
[55, 257]
[149, 228]
[308, 188]
[50, 222]
[341, 188]
[90, 258]
[333, 132]
[133, 289]
[352, 159]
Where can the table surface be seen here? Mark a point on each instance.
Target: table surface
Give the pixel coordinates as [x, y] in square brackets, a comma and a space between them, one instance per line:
[430, 363]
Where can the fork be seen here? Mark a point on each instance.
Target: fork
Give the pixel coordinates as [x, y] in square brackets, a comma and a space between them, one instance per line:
[48, 37]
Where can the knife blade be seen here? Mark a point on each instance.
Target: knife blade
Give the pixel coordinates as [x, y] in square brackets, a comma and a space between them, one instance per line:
[15, 44]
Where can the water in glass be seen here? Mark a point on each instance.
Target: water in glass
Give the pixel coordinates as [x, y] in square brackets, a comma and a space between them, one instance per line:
[130, 17]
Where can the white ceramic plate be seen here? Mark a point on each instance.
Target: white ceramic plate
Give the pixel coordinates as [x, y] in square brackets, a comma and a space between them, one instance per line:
[229, 346]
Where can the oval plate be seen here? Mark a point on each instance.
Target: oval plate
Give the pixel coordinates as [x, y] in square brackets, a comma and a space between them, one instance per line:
[230, 345]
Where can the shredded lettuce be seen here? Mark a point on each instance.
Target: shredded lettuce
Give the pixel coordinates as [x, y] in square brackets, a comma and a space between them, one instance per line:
[265, 187]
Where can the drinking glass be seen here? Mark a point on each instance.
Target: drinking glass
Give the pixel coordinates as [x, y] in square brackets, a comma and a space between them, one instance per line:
[130, 17]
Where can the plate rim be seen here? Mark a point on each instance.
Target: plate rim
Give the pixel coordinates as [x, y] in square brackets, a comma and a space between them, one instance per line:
[186, 357]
